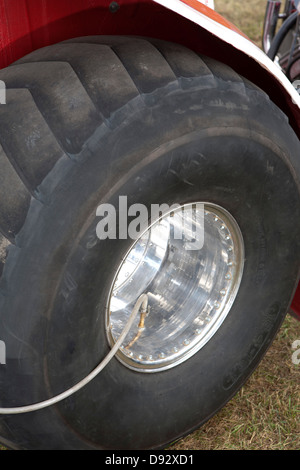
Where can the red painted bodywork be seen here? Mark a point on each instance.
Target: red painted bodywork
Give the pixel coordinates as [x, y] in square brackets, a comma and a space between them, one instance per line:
[27, 25]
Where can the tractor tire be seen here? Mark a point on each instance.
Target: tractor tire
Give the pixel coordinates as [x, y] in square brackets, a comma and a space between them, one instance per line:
[96, 118]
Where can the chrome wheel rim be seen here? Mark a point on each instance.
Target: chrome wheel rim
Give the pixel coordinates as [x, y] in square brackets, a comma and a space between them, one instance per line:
[190, 290]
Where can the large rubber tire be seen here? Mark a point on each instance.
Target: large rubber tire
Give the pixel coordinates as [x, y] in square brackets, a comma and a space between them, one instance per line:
[89, 120]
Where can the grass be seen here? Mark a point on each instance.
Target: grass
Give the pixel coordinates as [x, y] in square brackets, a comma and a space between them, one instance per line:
[265, 414]
[247, 15]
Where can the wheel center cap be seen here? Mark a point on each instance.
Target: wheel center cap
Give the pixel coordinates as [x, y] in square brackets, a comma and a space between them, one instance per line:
[190, 291]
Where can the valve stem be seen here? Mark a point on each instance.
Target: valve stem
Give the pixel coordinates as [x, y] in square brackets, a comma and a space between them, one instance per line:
[145, 310]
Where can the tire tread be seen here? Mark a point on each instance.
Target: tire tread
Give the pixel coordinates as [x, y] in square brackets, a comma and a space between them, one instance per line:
[58, 96]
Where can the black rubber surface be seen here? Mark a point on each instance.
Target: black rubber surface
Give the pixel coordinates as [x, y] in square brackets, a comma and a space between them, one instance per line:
[90, 120]
[287, 25]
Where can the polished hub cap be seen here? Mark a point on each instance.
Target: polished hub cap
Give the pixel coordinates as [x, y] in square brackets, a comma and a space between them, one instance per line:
[190, 263]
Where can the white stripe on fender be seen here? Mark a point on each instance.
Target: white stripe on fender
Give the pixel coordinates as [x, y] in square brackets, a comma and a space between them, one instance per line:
[235, 39]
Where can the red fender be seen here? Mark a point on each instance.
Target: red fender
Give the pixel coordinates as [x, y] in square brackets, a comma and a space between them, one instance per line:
[27, 25]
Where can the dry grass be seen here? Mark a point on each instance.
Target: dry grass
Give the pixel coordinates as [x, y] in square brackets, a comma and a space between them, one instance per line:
[247, 15]
[265, 414]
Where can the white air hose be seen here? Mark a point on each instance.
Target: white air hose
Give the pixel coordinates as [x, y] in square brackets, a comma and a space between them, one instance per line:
[142, 303]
